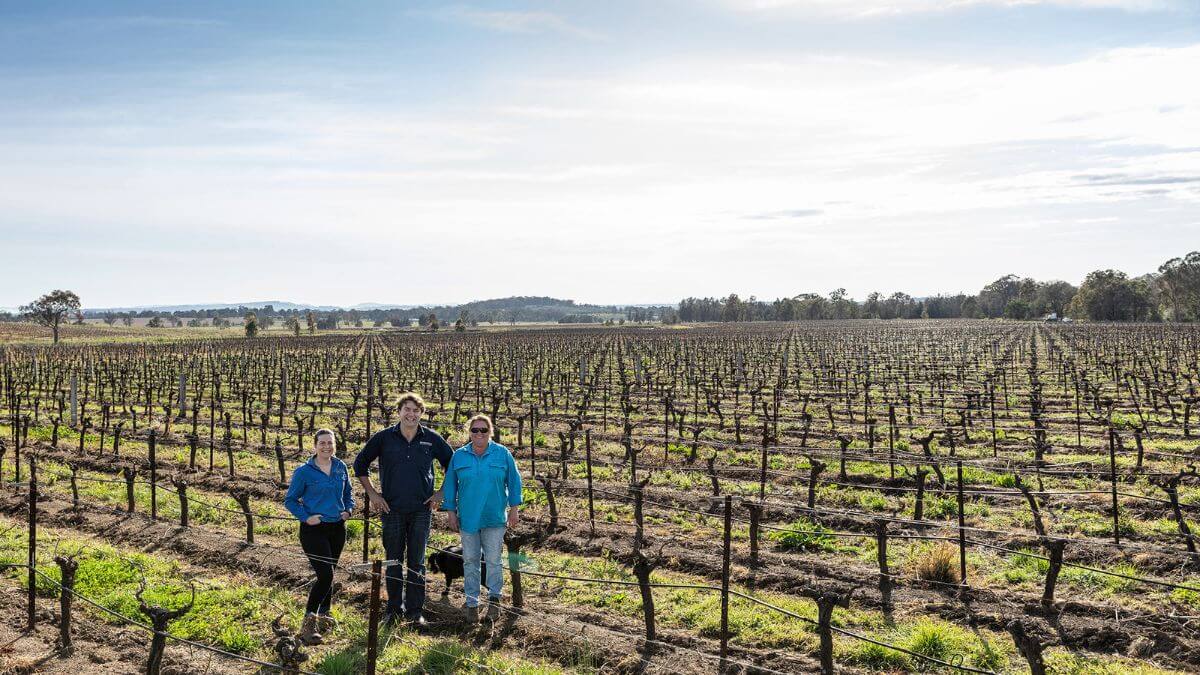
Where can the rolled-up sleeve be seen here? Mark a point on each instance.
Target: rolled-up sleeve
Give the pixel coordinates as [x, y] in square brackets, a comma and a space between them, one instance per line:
[450, 488]
[514, 482]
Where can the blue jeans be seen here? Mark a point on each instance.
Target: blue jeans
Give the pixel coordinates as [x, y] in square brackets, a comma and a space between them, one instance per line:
[404, 538]
[489, 540]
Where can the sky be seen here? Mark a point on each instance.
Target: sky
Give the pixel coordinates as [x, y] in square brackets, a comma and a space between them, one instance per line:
[616, 152]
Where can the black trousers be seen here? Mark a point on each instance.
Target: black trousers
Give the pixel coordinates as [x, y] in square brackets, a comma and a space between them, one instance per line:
[323, 543]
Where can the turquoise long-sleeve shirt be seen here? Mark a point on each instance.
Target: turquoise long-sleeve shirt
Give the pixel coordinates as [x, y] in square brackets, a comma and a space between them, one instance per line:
[480, 488]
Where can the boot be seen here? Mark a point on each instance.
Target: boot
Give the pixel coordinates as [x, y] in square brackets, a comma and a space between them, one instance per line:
[472, 615]
[308, 632]
[326, 624]
[493, 609]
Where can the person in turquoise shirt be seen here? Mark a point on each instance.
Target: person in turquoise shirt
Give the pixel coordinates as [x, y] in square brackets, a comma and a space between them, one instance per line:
[482, 493]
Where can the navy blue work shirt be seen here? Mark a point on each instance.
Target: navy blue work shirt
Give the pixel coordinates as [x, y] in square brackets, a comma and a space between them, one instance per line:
[405, 467]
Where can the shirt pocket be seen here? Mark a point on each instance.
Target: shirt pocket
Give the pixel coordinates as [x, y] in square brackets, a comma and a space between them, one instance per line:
[496, 471]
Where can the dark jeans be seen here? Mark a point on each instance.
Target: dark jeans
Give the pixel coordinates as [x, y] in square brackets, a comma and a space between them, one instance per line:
[404, 538]
[323, 543]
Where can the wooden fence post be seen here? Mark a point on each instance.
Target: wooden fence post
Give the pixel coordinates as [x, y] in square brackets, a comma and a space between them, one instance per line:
[881, 554]
[587, 436]
[366, 531]
[153, 477]
[31, 560]
[373, 619]
[514, 543]
[726, 543]
[962, 532]
[1116, 507]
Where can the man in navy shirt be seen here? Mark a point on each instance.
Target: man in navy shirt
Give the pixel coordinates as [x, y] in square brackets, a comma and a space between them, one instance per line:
[406, 499]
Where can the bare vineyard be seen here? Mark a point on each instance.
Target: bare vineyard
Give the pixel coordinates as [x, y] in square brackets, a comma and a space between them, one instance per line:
[859, 496]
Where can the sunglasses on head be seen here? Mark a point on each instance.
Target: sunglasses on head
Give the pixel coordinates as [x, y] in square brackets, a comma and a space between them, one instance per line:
[480, 431]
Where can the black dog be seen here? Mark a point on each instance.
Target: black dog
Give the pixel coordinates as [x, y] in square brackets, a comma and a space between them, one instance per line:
[449, 562]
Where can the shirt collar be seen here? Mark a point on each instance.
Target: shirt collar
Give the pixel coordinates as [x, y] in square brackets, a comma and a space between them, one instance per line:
[492, 445]
[420, 431]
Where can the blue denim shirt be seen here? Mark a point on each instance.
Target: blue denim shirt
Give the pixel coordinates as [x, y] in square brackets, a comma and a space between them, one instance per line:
[481, 487]
[312, 492]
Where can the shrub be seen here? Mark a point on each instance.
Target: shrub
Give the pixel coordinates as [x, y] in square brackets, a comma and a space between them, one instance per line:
[938, 563]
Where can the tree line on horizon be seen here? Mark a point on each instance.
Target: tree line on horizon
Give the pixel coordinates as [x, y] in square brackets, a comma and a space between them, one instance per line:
[1170, 294]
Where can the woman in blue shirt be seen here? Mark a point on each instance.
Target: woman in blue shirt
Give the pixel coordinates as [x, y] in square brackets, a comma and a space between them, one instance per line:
[320, 497]
[482, 491]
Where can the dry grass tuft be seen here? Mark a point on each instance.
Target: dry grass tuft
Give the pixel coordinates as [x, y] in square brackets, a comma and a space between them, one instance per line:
[938, 563]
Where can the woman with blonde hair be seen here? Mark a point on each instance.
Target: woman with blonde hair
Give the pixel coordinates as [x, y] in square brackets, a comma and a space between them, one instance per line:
[482, 493]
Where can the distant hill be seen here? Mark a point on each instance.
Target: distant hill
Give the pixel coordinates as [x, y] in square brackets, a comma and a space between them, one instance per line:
[513, 309]
[277, 304]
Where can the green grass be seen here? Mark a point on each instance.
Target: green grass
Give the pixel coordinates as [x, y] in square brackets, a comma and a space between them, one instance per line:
[1062, 662]
[234, 612]
[933, 638]
[805, 535]
[229, 612]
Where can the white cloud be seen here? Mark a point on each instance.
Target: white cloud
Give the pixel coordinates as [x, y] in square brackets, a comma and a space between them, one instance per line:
[692, 164]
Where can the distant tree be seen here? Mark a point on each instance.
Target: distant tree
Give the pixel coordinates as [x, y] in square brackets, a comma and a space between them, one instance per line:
[265, 321]
[840, 305]
[312, 322]
[1054, 296]
[110, 318]
[154, 322]
[127, 320]
[250, 324]
[293, 324]
[994, 297]
[1179, 283]
[970, 309]
[1017, 309]
[195, 322]
[1109, 295]
[433, 322]
[78, 318]
[50, 309]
